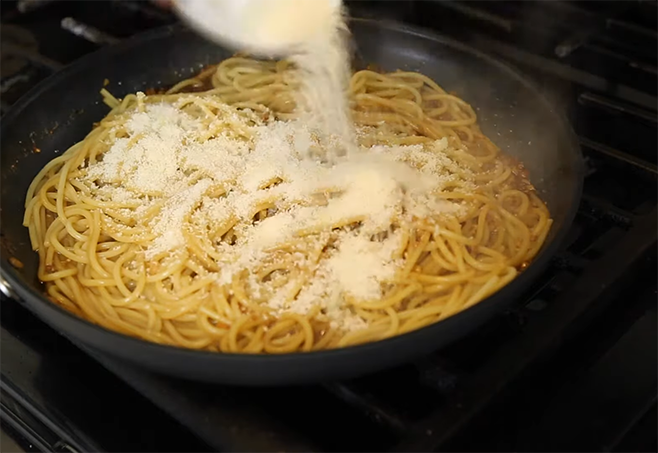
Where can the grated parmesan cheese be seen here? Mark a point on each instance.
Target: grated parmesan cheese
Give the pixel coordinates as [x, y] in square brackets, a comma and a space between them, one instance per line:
[361, 266]
[169, 224]
[167, 158]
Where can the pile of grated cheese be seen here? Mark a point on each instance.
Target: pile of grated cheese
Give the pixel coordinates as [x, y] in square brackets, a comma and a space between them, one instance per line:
[163, 159]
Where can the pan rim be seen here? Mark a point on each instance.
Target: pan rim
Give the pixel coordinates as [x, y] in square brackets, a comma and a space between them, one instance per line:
[37, 302]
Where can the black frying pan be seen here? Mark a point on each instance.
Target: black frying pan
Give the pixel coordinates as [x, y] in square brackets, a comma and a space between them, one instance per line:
[61, 110]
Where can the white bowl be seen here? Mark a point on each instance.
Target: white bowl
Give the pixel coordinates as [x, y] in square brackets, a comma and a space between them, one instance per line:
[265, 27]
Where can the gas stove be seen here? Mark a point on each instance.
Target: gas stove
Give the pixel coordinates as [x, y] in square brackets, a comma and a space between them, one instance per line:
[572, 366]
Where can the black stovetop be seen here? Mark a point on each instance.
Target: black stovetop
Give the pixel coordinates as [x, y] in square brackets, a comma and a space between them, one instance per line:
[571, 367]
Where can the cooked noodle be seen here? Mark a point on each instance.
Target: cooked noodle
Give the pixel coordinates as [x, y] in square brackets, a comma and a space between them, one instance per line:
[93, 250]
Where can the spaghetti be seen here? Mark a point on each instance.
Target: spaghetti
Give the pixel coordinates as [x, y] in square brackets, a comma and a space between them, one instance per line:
[209, 217]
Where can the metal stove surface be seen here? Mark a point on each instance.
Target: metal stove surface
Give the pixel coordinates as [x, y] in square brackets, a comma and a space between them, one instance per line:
[571, 367]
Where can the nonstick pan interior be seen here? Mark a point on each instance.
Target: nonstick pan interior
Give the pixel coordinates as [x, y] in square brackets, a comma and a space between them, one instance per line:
[61, 111]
